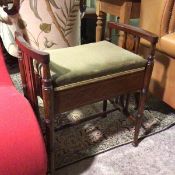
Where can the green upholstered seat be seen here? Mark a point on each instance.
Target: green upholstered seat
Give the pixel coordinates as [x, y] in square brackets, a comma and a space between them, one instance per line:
[84, 62]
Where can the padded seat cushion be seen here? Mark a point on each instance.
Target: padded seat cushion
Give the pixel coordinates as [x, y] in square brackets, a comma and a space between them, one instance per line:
[84, 62]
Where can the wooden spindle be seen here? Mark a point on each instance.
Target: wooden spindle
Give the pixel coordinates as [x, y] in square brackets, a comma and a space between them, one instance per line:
[124, 40]
[136, 44]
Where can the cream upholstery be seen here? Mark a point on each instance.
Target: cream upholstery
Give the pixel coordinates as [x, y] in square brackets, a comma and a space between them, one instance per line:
[73, 64]
[43, 28]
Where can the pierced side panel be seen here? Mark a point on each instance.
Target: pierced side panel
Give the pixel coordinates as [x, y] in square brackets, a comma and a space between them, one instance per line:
[28, 80]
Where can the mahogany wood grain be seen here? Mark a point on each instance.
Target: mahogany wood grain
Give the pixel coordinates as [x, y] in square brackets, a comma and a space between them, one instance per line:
[101, 90]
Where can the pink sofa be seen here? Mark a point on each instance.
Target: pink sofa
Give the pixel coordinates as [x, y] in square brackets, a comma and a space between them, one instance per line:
[22, 148]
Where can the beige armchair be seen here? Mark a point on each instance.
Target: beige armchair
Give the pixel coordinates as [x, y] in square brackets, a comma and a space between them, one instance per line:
[160, 19]
[46, 24]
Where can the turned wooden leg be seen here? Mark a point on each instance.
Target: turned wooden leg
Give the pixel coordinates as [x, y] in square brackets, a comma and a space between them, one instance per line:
[143, 93]
[122, 101]
[125, 13]
[136, 96]
[47, 93]
[125, 110]
[137, 129]
[104, 107]
[101, 17]
[50, 148]
[138, 121]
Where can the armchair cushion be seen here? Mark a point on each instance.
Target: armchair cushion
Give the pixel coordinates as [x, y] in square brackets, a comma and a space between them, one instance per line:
[74, 64]
[167, 44]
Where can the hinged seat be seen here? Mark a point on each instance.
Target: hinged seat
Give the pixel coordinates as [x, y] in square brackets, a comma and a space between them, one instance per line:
[89, 61]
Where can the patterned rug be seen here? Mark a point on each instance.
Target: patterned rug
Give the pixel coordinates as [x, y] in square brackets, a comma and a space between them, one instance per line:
[99, 135]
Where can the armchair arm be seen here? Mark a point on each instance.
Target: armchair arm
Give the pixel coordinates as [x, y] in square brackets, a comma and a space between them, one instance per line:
[136, 31]
[167, 44]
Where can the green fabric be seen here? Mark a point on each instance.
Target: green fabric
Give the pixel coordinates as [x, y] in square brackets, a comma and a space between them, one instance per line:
[73, 64]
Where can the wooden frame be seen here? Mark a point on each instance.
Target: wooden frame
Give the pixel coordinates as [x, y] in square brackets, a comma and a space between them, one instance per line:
[57, 99]
[124, 9]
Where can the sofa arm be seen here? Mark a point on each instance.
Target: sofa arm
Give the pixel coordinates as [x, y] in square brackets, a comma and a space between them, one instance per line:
[22, 148]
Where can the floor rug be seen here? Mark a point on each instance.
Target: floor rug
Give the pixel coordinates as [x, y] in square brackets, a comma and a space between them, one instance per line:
[99, 135]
